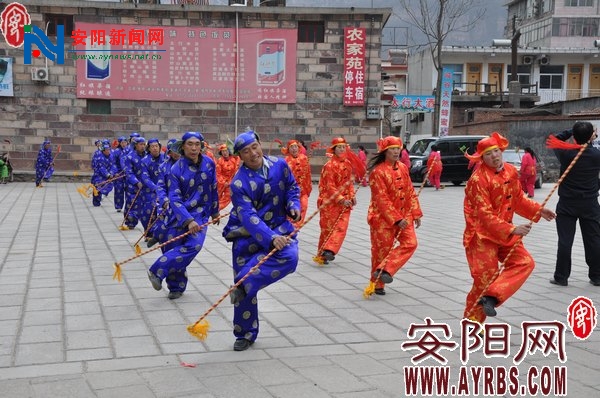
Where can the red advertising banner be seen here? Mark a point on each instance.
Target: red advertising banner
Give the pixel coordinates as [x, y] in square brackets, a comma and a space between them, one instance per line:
[188, 64]
[355, 40]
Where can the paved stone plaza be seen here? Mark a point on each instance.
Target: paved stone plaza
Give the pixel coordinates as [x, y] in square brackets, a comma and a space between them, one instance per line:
[67, 329]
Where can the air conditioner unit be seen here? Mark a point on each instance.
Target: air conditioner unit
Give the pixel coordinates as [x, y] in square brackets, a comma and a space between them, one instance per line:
[239, 3]
[527, 59]
[544, 60]
[39, 74]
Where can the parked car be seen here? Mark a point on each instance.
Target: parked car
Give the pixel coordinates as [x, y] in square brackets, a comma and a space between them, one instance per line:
[452, 148]
[513, 156]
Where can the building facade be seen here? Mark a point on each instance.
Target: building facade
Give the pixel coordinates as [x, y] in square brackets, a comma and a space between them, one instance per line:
[57, 106]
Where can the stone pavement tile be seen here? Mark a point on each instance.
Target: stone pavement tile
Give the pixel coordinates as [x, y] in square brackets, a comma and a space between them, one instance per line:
[128, 328]
[84, 322]
[43, 304]
[217, 340]
[7, 345]
[352, 337]
[116, 300]
[311, 310]
[356, 315]
[375, 347]
[39, 282]
[173, 381]
[361, 365]
[82, 308]
[77, 340]
[135, 391]
[270, 372]
[298, 390]
[108, 379]
[228, 387]
[137, 346]
[16, 388]
[304, 335]
[55, 369]
[332, 324]
[125, 312]
[91, 354]
[333, 379]
[183, 348]
[62, 388]
[41, 334]
[381, 331]
[10, 312]
[283, 319]
[121, 364]
[291, 298]
[255, 353]
[273, 342]
[9, 300]
[391, 385]
[309, 351]
[44, 292]
[31, 354]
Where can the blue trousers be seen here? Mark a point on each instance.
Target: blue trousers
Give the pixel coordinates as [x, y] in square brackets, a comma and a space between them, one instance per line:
[119, 193]
[245, 256]
[172, 265]
[133, 212]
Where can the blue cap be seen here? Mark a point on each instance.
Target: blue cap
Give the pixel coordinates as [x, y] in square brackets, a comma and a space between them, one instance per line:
[137, 140]
[153, 141]
[192, 134]
[122, 138]
[134, 134]
[243, 140]
[170, 143]
[105, 146]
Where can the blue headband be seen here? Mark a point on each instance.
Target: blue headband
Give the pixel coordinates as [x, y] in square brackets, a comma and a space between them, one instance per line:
[192, 134]
[122, 138]
[134, 134]
[139, 139]
[243, 140]
[153, 141]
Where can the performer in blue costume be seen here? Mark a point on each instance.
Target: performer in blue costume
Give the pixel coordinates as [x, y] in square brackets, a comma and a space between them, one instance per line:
[134, 167]
[104, 169]
[43, 163]
[193, 198]
[264, 194]
[151, 162]
[119, 184]
[159, 232]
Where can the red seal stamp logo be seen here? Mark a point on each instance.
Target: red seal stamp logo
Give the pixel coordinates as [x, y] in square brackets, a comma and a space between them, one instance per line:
[12, 19]
[582, 317]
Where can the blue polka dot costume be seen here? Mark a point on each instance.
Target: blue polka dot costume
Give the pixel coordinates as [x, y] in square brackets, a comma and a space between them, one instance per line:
[160, 229]
[150, 173]
[134, 167]
[43, 163]
[193, 196]
[261, 201]
[119, 183]
[104, 169]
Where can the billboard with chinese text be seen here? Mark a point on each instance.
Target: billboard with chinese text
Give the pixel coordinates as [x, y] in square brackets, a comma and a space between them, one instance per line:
[188, 64]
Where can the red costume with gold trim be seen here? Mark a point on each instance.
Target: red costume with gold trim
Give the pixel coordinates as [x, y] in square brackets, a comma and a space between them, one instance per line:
[337, 172]
[492, 197]
[301, 170]
[226, 169]
[393, 199]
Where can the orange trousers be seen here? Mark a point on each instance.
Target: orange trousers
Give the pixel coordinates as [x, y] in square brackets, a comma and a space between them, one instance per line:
[484, 257]
[334, 225]
[384, 254]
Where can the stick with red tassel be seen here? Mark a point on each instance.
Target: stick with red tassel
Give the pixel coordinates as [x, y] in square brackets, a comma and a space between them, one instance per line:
[552, 142]
[199, 329]
[118, 274]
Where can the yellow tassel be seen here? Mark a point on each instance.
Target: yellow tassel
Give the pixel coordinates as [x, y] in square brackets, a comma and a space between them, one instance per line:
[123, 227]
[319, 260]
[369, 290]
[94, 190]
[117, 274]
[138, 249]
[75, 174]
[199, 329]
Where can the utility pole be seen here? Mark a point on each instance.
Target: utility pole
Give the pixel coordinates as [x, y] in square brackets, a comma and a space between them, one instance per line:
[514, 87]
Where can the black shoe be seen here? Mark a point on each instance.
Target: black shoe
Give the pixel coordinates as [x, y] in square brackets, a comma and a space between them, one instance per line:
[237, 295]
[380, 291]
[119, 210]
[155, 280]
[595, 283]
[151, 242]
[175, 295]
[383, 276]
[489, 305]
[559, 283]
[242, 344]
[328, 255]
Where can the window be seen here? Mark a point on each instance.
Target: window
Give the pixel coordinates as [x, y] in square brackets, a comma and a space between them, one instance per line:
[457, 74]
[311, 32]
[98, 107]
[523, 73]
[551, 76]
[579, 3]
[56, 19]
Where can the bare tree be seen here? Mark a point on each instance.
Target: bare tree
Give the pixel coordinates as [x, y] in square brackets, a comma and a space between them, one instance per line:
[437, 19]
